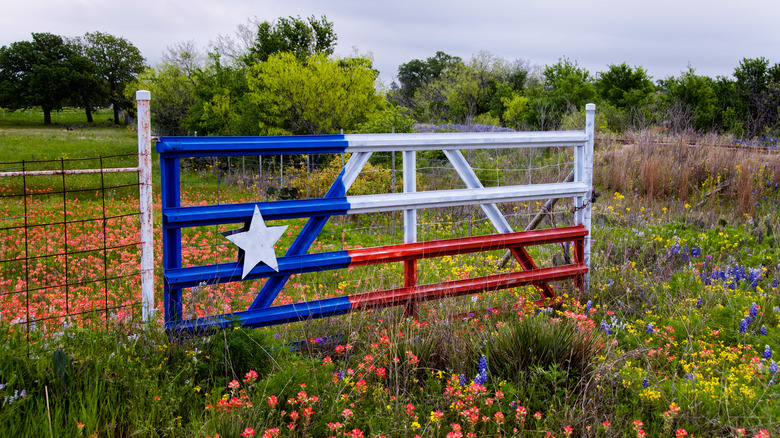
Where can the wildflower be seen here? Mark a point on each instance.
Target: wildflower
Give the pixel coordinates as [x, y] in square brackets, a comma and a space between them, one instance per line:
[482, 371]
[347, 413]
[234, 385]
[680, 433]
[273, 401]
[567, 430]
[588, 305]
[250, 376]
[650, 328]
[698, 303]
[436, 416]
[645, 383]
[773, 367]
[743, 324]
[538, 415]
[763, 433]
[272, 433]
[767, 352]
[462, 380]
[604, 326]
[248, 432]
[410, 409]
[606, 425]
[763, 330]
[415, 425]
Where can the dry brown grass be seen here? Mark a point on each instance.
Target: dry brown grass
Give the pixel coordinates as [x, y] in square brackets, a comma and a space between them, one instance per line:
[688, 169]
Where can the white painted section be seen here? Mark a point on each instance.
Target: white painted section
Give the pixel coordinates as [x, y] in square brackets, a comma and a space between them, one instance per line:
[146, 204]
[353, 168]
[455, 140]
[590, 130]
[447, 198]
[410, 186]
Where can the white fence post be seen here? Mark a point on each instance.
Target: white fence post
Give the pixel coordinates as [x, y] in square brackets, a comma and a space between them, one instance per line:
[146, 203]
[590, 131]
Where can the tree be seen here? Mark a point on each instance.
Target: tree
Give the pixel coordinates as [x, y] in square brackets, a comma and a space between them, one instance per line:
[625, 87]
[37, 73]
[758, 94]
[416, 74]
[173, 94]
[293, 35]
[117, 61]
[690, 102]
[317, 96]
[568, 84]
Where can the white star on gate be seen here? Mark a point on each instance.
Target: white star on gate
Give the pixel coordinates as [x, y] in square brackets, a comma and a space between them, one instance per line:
[257, 242]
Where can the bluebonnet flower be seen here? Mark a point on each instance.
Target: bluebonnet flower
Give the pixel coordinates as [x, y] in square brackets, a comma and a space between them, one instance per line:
[698, 303]
[462, 380]
[605, 328]
[482, 371]
[588, 305]
[743, 324]
[774, 283]
[763, 330]
[690, 376]
[773, 367]
[650, 328]
[753, 311]
[341, 374]
[645, 383]
[767, 352]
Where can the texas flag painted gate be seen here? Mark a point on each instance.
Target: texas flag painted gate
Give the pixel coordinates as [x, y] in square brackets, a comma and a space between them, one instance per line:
[254, 241]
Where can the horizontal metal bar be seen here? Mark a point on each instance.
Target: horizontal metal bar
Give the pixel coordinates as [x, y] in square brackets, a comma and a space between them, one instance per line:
[290, 265]
[171, 147]
[181, 217]
[393, 297]
[71, 171]
[447, 198]
[441, 248]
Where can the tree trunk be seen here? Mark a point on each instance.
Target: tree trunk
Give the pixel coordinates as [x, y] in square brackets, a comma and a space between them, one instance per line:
[88, 109]
[116, 112]
[46, 115]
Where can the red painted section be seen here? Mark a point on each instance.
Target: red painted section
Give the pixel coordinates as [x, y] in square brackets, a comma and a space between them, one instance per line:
[403, 296]
[440, 248]
[525, 260]
[410, 279]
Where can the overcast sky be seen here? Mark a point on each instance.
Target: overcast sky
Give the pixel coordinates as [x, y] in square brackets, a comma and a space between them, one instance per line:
[663, 36]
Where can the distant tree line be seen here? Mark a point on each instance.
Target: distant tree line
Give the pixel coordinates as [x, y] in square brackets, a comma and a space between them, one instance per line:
[281, 77]
[52, 72]
[487, 89]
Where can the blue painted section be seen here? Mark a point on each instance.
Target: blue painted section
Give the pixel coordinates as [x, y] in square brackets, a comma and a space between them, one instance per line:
[224, 146]
[300, 246]
[171, 196]
[183, 217]
[268, 316]
[229, 272]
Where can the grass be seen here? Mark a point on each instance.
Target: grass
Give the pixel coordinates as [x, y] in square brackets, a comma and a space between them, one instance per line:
[678, 335]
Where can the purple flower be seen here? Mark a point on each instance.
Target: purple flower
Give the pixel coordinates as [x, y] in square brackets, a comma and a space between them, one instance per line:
[645, 383]
[763, 330]
[743, 324]
[698, 303]
[767, 352]
[650, 328]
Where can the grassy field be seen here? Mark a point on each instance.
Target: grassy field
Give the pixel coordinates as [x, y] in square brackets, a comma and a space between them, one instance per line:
[677, 336]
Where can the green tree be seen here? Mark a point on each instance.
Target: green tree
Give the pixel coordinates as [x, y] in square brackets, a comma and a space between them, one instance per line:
[320, 95]
[690, 102]
[625, 87]
[37, 73]
[173, 94]
[224, 105]
[567, 84]
[117, 62]
[293, 35]
[758, 94]
[417, 74]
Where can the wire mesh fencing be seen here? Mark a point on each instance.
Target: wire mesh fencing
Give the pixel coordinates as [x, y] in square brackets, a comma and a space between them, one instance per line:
[69, 242]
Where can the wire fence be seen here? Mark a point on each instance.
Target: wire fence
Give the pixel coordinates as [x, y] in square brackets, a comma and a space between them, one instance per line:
[69, 242]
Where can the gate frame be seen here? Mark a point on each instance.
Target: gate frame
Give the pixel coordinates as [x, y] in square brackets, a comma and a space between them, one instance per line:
[336, 202]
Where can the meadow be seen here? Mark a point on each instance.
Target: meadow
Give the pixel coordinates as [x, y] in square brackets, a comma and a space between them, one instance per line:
[677, 336]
